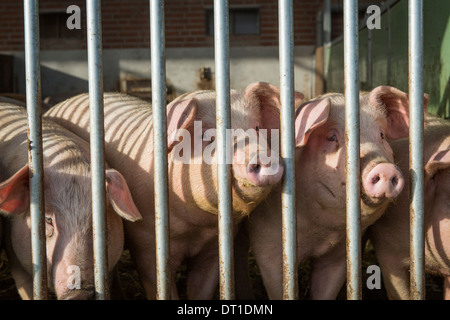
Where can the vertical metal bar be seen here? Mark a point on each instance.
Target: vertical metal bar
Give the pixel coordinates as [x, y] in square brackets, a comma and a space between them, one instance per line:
[327, 21]
[369, 59]
[352, 149]
[319, 29]
[35, 157]
[223, 122]
[286, 53]
[389, 44]
[97, 145]
[415, 44]
[158, 62]
[326, 35]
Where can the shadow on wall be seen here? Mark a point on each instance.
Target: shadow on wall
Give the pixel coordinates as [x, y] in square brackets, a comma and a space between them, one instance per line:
[54, 84]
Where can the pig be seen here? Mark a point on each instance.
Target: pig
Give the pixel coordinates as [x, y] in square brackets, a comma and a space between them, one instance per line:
[320, 177]
[68, 210]
[20, 100]
[193, 200]
[390, 235]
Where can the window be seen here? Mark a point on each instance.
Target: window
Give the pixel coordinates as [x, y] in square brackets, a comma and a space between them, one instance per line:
[243, 21]
[52, 25]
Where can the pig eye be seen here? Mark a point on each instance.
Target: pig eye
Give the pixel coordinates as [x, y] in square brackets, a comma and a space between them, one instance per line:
[49, 221]
[332, 138]
[49, 229]
[382, 135]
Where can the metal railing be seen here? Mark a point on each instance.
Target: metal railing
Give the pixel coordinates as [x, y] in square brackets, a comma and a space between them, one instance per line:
[222, 60]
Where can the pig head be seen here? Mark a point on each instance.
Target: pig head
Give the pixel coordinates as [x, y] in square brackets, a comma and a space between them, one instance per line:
[68, 232]
[68, 209]
[390, 235]
[254, 114]
[320, 186]
[321, 152]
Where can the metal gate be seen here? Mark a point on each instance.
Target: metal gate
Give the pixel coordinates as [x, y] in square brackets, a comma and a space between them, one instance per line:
[222, 60]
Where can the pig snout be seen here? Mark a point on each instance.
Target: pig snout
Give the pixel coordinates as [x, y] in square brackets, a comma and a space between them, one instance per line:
[260, 174]
[385, 180]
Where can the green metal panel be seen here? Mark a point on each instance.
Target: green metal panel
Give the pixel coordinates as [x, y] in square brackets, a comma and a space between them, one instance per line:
[335, 73]
[436, 55]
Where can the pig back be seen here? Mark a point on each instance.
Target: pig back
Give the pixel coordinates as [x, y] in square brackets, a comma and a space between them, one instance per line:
[58, 143]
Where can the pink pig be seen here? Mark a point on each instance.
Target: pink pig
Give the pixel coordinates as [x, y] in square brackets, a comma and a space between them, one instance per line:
[193, 197]
[68, 213]
[320, 187]
[390, 235]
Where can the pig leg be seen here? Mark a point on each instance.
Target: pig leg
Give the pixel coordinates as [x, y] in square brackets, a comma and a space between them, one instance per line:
[142, 252]
[272, 274]
[392, 255]
[146, 268]
[267, 250]
[396, 279]
[447, 288]
[269, 260]
[173, 286]
[244, 290]
[328, 274]
[202, 275]
[23, 281]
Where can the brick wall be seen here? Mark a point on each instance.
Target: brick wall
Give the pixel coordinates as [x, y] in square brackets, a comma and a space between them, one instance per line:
[126, 23]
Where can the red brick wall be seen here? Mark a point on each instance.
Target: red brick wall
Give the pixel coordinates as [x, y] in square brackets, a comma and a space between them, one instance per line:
[11, 25]
[126, 23]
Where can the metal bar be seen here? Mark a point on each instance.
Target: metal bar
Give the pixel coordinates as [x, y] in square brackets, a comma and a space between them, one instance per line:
[352, 149]
[326, 35]
[415, 44]
[158, 65]
[388, 67]
[97, 145]
[369, 59]
[319, 28]
[327, 21]
[35, 156]
[286, 48]
[223, 122]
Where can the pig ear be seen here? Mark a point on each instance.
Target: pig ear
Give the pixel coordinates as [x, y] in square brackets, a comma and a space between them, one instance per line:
[438, 161]
[268, 98]
[15, 193]
[180, 115]
[120, 196]
[312, 115]
[396, 104]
